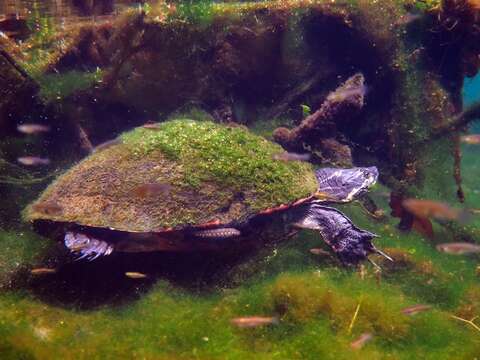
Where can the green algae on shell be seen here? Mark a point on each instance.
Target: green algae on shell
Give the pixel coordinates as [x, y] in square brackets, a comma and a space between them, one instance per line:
[216, 173]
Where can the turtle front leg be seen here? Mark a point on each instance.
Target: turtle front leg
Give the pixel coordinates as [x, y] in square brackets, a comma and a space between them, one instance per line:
[351, 244]
[86, 246]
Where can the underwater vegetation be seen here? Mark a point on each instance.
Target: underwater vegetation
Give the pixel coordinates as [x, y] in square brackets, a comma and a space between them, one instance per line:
[282, 70]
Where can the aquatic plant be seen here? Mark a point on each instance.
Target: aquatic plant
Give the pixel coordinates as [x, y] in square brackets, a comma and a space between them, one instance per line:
[54, 87]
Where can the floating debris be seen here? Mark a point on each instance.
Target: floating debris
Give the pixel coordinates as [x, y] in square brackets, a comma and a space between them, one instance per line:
[291, 156]
[48, 208]
[31, 129]
[361, 341]
[135, 275]
[33, 160]
[415, 309]
[106, 145]
[470, 322]
[152, 189]
[43, 271]
[470, 139]
[459, 248]
[254, 321]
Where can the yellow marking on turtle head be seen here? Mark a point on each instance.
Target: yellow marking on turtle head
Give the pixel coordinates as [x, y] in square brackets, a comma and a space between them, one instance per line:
[320, 195]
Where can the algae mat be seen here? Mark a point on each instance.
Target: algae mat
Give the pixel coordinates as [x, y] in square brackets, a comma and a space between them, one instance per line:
[184, 316]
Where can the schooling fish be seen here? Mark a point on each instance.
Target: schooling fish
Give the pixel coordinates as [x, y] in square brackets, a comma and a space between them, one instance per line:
[361, 341]
[415, 309]
[254, 321]
[48, 208]
[33, 128]
[428, 209]
[152, 189]
[470, 139]
[43, 271]
[290, 156]
[459, 248]
[33, 160]
[135, 275]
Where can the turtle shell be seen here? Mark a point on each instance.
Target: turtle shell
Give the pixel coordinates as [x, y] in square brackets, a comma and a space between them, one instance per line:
[210, 173]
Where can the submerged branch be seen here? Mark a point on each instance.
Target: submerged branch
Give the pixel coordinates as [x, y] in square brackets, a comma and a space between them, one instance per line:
[458, 122]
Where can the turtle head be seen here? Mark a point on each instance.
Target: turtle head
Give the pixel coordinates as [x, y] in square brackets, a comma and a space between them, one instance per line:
[344, 185]
[354, 247]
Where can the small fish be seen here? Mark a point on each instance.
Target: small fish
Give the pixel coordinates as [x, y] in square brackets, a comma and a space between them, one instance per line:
[48, 208]
[470, 139]
[415, 309]
[106, 145]
[254, 321]
[318, 251]
[221, 233]
[428, 209]
[407, 19]
[33, 128]
[151, 126]
[290, 156]
[43, 271]
[152, 189]
[33, 160]
[135, 275]
[361, 341]
[474, 4]
[459, 248]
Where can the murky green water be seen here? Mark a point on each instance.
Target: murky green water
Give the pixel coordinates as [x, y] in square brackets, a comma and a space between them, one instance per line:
[196, 179]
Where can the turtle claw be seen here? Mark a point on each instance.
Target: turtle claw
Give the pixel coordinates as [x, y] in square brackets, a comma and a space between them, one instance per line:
[375, 265]
[380, 252]
[87, 247]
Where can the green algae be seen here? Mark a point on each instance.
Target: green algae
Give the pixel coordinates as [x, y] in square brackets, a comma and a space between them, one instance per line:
[314, 298]
[209, 167]
[231, 156]
[58, 86]
[20, 250]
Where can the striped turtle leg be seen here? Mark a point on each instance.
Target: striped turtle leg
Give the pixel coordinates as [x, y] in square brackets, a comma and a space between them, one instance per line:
[351, 244]
[217, 234]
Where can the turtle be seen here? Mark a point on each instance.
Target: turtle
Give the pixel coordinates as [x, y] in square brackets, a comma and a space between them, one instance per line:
[189, 185]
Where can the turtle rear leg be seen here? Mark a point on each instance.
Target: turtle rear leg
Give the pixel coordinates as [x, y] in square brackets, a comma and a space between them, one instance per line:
[351, 244]
[87, 247]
